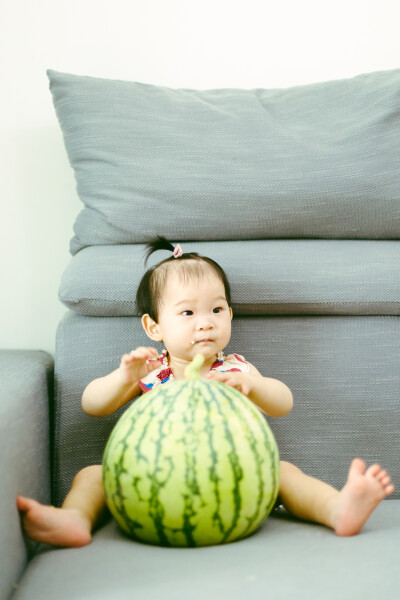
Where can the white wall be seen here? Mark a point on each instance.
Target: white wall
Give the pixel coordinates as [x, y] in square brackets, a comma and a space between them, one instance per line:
[178, 43]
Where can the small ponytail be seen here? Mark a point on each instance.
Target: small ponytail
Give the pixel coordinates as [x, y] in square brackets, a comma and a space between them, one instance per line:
[160, 243]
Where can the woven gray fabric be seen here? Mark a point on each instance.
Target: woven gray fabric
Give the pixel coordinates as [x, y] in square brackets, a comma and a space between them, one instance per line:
[284, 560]
[267, 277]
[343, 372]
[25, 395]
[319, 161]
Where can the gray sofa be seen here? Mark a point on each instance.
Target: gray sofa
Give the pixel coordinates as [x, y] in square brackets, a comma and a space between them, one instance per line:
[296, 193]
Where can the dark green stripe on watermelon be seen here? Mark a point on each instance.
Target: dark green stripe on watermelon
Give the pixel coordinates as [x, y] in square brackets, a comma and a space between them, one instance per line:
[251, 411]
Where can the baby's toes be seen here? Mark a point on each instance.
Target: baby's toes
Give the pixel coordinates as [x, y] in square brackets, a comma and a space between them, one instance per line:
[374, 470]
[389, 490]
[381, 476]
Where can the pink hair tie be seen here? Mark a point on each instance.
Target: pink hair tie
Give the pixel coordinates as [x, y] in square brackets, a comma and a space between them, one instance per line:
[178, 251]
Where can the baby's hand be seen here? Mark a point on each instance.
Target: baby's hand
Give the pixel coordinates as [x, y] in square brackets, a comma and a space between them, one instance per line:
[239, 381]
[137, 364]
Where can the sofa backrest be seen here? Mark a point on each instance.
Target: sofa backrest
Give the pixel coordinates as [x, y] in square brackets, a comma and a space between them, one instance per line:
[342, 370]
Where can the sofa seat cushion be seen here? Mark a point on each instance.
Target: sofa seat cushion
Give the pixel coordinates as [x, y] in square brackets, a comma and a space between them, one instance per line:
[285, 559]
[274, 277]
[319, 160]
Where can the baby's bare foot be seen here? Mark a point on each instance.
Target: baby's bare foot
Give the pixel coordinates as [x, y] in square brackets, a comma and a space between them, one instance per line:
[56, 526]
[363, 491]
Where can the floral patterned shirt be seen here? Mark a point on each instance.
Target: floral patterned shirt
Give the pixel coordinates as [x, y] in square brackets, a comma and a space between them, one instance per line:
[231, 362]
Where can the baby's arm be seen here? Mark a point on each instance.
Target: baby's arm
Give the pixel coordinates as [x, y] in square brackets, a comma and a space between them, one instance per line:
[272, 396]
[105, 395]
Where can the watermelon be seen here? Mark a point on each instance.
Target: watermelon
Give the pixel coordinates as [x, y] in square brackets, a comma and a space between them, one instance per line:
[191, 463]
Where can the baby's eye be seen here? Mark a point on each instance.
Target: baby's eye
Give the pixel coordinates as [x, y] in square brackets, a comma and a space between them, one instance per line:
[218, 309]
[187, 313]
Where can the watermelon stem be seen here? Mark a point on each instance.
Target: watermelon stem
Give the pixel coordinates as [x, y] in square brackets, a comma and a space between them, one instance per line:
[192, 371]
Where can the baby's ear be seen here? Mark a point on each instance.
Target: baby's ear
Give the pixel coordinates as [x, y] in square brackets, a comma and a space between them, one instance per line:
[151, 328]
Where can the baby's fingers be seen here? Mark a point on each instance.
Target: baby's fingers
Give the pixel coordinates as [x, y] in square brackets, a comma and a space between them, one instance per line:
[140, 353]
[238, 385]
[217, 376]
[230, 379]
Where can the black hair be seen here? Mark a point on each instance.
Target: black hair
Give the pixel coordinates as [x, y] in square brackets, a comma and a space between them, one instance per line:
[149, 293]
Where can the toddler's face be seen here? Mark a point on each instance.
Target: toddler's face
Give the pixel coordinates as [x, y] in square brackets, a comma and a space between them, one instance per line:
[195, 311]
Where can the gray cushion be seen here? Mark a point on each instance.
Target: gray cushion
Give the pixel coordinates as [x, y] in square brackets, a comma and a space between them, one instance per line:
[285, 560]
[267, 277]
[343, 372]
[319, 161]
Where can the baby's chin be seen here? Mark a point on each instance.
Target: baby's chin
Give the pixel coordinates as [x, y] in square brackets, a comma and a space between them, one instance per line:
[210, 352]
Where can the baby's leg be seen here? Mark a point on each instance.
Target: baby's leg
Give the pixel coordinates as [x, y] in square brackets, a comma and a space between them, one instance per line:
[72, 524]
[345, 511]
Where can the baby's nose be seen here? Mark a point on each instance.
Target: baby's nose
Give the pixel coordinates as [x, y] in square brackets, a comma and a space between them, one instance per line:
[204, 324]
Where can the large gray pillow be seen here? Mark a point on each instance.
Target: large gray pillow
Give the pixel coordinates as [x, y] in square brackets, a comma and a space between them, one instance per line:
[313, 161]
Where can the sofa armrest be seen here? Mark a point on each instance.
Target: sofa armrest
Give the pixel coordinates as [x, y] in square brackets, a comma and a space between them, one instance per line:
[25, 401]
